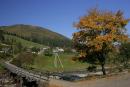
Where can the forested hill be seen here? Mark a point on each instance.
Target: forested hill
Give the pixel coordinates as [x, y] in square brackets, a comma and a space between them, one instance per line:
[37, 34]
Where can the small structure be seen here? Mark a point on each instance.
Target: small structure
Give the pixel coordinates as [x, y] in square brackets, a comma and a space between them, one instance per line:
[59, 49]
[4, 48]
[73, 50]
[42, 50]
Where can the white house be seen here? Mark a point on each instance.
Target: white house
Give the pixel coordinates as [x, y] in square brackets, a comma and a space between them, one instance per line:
[57, 49]
[43, 49]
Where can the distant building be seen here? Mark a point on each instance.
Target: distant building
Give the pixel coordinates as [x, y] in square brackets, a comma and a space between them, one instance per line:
[4, 48]
[42, 50]
[57, 49]
[73, 50]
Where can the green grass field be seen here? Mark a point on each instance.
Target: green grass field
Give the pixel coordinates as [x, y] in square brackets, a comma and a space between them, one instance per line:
[43, 63]
[24, 42]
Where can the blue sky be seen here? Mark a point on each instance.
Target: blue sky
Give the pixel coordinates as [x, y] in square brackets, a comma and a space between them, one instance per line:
[56, 15]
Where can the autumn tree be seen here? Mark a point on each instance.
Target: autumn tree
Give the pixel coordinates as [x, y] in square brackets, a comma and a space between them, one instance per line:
[97, 33]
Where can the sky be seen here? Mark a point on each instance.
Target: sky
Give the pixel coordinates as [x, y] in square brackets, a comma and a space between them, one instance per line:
[56, 15]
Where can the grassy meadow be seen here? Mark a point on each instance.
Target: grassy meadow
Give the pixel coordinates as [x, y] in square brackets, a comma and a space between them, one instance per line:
[43, 63]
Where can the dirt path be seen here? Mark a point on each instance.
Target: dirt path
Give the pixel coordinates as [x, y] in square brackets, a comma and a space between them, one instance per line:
[115, 81]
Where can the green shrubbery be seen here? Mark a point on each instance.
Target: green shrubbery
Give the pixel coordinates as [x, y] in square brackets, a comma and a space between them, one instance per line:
[24, 58]
[91, 68]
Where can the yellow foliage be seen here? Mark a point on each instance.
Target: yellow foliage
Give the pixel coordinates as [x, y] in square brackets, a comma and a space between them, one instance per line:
[99, 28]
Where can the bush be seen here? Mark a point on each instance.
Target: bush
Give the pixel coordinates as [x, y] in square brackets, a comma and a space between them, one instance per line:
[24, 58]
[48, 53]
[34, 49]
[91, 68]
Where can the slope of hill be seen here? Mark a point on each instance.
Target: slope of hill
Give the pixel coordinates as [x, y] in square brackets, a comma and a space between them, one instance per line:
[23, 42]
[37, 34]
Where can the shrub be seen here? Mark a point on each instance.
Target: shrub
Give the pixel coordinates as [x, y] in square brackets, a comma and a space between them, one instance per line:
[48, 53]
[91, 68]
[24, 58]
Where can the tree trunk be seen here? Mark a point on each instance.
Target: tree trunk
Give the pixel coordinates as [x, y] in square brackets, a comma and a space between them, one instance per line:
[102, 59]
[103, 69]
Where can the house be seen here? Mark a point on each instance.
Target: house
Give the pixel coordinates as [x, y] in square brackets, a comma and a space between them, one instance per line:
[42, 50]
[57, 49]
[4, 48]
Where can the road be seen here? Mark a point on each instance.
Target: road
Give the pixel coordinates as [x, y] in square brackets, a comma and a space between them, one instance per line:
[114, 81]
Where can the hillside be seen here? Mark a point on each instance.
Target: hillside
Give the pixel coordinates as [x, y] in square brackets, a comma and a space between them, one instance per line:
[37, 34]
[23, 42]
